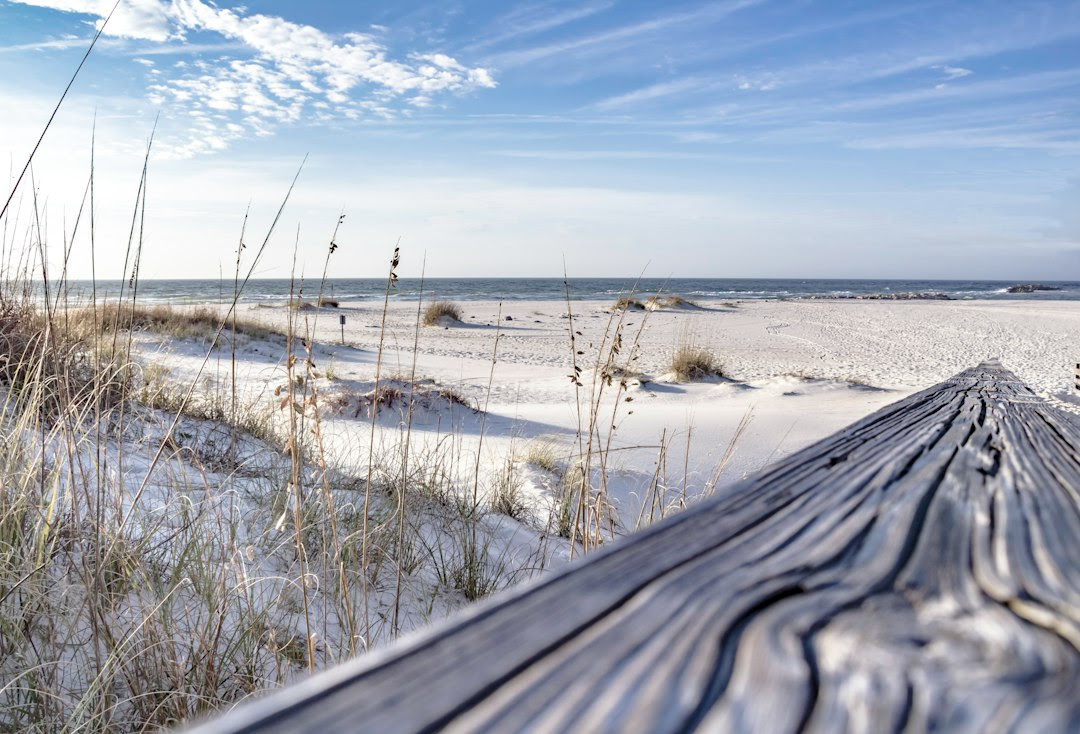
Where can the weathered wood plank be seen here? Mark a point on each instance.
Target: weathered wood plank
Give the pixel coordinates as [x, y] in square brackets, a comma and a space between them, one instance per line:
[919, 570]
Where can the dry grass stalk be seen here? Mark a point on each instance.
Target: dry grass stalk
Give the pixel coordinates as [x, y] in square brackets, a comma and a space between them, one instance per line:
[365, 541]
[593, 519]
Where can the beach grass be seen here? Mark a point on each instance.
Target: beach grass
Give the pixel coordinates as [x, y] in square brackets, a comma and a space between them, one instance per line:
[198, 322]
[690, 363]
[656, 302]
[162, 533]
[441, 313]
[626, 303]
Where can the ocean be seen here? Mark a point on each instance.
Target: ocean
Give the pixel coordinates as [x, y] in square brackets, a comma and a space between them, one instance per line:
[545, 289]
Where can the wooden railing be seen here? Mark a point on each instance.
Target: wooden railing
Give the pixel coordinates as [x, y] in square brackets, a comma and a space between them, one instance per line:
[918, 570]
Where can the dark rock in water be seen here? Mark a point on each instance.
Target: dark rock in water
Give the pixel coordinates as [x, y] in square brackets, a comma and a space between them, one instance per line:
[1030, 288]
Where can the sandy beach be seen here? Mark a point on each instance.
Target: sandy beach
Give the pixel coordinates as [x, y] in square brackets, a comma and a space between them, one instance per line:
[793, 372]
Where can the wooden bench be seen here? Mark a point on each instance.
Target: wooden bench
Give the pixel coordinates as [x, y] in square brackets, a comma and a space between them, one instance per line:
[919, 570]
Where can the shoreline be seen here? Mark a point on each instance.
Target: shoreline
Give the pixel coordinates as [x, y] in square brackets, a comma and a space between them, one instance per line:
[279, 290]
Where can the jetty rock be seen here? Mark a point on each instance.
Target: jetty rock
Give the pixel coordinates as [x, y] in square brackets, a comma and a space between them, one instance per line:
[1030, 288]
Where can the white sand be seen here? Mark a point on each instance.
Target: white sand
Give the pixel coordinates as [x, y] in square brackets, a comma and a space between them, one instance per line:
[899, 345]
[799, 371]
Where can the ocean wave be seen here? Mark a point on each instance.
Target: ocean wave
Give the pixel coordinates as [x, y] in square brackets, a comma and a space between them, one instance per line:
[554, 289]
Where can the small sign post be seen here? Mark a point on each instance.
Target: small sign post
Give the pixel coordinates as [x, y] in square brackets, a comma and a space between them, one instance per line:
[341, 320]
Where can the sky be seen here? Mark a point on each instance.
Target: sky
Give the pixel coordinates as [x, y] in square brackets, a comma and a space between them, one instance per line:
[732, 138]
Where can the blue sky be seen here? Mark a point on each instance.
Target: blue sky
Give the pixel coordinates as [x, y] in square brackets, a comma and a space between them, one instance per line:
[740, 138]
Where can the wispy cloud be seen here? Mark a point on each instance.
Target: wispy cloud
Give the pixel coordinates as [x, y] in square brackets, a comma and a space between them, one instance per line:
[621, 34]
[948, 52]
[183, 48]
[761, 82]
[1012, 87]
[53, 45]
[649, 93]
[533, 19]
[614, 155]
[1005, 137]
[954, 72]
[290, 69]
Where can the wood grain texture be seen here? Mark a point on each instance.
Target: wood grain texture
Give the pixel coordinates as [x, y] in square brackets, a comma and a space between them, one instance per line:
[918, 571]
